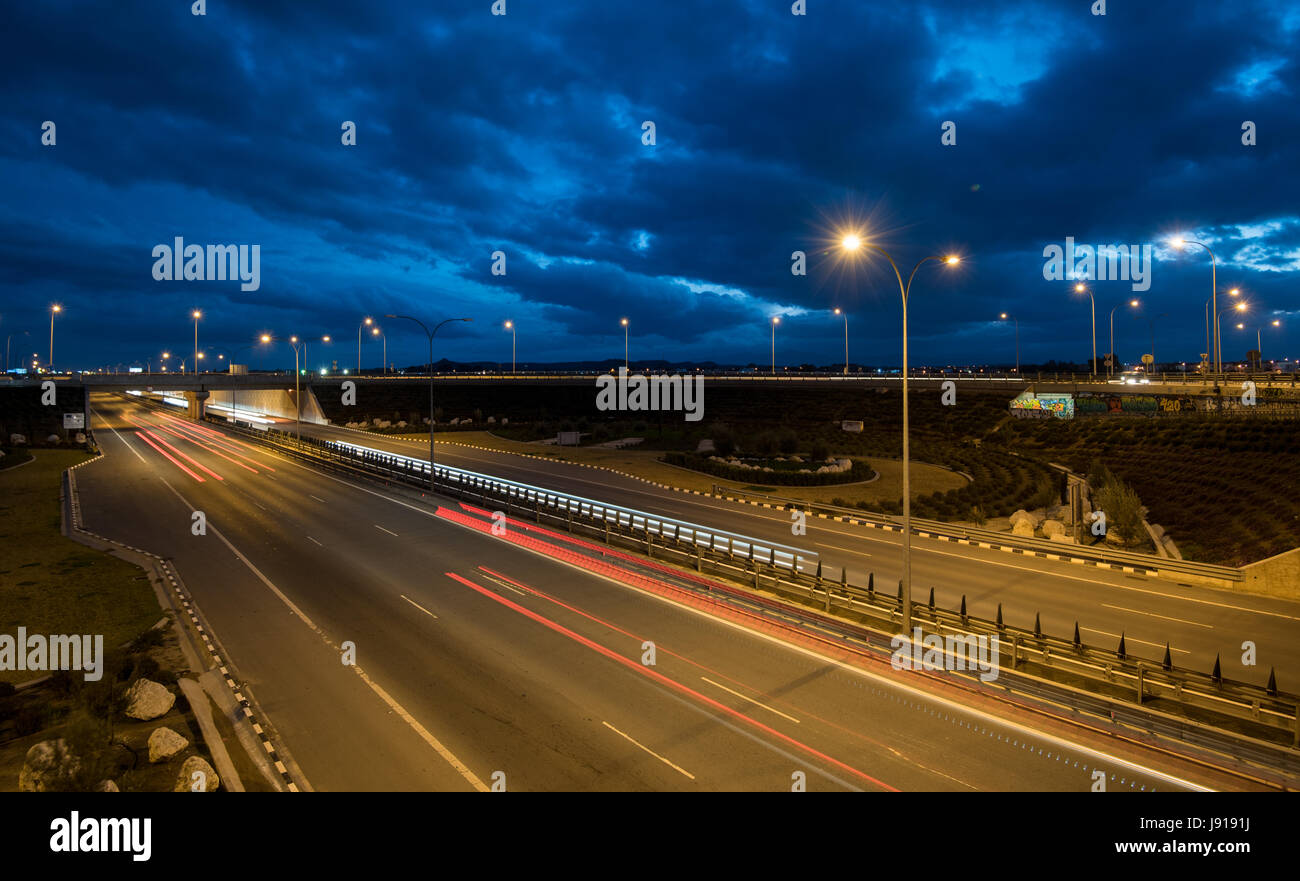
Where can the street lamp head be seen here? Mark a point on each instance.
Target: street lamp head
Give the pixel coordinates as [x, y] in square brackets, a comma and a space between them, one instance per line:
[1241, 307]
[293, 339]
[952, 260]
[1277, 323]
[851, 242]
[57, 308]
[1004, 316]
[166, 355]
[374, 331]
[1240, 326]
[1134, 303]
[1177, 242]
[370, 321]
[623, 322]
[510, 325]
[196, 315]
[776, 319]
[325, 339]
[837, 311]
[1079, 288]
[266, 337]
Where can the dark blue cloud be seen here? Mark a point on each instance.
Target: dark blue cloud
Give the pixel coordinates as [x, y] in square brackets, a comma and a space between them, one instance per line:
[523, 133]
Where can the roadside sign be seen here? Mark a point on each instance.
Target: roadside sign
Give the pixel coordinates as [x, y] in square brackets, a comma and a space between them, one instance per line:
[74, 420]
[1148, 359]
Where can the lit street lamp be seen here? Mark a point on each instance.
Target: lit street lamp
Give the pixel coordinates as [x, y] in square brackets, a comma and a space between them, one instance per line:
[1006, 317]
[196, 315]
[1259, 344]
[510, 326]
[624, 323]
[1113, 357]
[431, 334]
[54, 310]
[853, 244]
[1080, 289]
[376, 331]
[1180, 243]
[365, 323]
[846, 339]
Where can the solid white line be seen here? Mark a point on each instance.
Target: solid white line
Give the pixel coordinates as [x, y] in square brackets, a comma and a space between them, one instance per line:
[647, 749]
[418, 606]
[389, 531]
[1133, 639]
[95, 412]
[309, 538]
[319, 499]
[1154, 615]
[750, 699]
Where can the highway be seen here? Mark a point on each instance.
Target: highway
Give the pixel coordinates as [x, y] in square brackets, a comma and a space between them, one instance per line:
[1198, 623]
[480, 660]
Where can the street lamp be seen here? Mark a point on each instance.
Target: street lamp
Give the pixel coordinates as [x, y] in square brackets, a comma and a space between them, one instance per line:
[1006, 317]
[8, 340]
[510, 326]
[776, 319]
[846, 339]
[1080, 289]
[1180, 243]
[853, 244]
[1113, 358]
[54, 310]
[430, 334]
[365, 323]
[376, 331]
[196, 315]
[624, 323]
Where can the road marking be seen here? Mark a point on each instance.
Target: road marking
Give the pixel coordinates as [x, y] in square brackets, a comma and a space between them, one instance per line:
[119, 437]
[389, 531]
[649, 750]
[750, 699]
[1154, 615]
[418, 606]
[1134, 639]
[309, 538]
[319, 499]
[846, 550]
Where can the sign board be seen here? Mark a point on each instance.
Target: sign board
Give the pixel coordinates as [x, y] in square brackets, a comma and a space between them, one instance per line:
[568, 438]
[74, 420]
[1108, 361]
[1148, 359]
[851, 425]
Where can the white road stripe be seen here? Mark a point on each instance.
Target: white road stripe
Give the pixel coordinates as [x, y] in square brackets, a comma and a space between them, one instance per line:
[647, 749]
[750, 699]
[1154, 615]
[389, 531]
[418, 606]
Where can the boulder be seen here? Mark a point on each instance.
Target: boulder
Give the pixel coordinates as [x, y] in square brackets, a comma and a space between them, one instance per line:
[1023, 515]
[81, 439]
[197, 776]
[1052, 527]
[165, 743]
[17, 439]
[52, 439]
[106, 786]
[1024, 527]
[47, 766]
[1063, 537]
[146, 699]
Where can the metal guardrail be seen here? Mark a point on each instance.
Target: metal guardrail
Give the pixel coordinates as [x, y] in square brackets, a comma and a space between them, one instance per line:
[1097, 681]
[980, 537]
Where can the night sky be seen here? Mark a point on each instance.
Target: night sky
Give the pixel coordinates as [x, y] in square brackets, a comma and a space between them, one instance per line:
[523, 133]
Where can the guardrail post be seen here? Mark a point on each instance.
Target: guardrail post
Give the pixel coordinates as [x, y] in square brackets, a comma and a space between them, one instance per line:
[1015, 651]
[570, 520]
[1295, 739]
[649, 542]
[606, 530]
[699, 558]
[1142, 672]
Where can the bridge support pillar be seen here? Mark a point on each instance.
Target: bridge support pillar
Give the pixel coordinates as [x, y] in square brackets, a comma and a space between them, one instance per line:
[197, 404]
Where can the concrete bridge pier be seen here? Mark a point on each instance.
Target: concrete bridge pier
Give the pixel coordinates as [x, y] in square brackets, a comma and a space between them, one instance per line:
[197, 404]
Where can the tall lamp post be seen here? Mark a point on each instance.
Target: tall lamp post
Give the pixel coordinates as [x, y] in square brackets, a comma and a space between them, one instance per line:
[431, 334]
[1110, 368]
[365, 323]
[846, 339]
[852, 244]
[379, 332]
[1259, 342]
[1181, 243]
[54, 310]
[776, 319]
[510, 326]
[1236, 307]
[1081, 289]
[196, 315]
[8, 340]
[1006, 317]
[624, 323]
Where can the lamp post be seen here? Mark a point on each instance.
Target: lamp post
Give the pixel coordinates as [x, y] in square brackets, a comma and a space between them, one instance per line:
[1237, 307]
[510, 326]
[8, 340]
[1080, 289]
[1259, 340]
[1208, 342]
[846, 339]
[431, 334]
[54, 310]
[323, 339]
[365, 323]
[1180, 243]
[1111, 366]
[624, 323]
[377, 331]
[1006, 317]
[196, 315]
[853, 244]
[776, 319]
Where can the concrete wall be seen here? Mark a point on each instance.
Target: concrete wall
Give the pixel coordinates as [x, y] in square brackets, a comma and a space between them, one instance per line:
[274, 402]
[1277, 576]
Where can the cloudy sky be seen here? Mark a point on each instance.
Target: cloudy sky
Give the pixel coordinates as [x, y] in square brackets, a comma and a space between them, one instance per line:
[523, 134]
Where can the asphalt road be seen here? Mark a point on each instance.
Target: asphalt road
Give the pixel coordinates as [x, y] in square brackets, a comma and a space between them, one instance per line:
[476, 657]
[1198, 623]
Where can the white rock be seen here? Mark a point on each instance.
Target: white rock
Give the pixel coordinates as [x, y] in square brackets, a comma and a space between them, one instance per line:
[146, 699]
[165, 743]
[1022, 527]
[205, 781]
[1052, 527]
